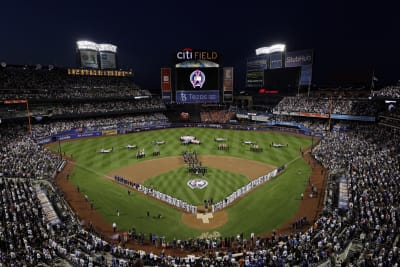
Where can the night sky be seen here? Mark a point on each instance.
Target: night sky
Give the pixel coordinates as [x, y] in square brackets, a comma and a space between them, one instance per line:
[347, 38]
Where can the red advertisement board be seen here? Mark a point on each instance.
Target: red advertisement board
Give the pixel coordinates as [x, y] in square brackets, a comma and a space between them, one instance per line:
[166, 79]
[314, 115]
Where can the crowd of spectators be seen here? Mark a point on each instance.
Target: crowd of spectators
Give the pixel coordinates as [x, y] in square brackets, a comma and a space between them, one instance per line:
[303, 104]
[314, 124]
[21, 82]
[216, 116]
[100, 107]
[322, 105]
[27, 238]
[20, 156]
[389, 91]
[77, 109]
[369, 156]
[100, 123]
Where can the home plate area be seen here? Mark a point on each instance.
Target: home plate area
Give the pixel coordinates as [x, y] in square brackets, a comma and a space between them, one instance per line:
[205, 217]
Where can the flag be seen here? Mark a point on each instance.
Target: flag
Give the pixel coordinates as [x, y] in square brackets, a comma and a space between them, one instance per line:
[374, 78]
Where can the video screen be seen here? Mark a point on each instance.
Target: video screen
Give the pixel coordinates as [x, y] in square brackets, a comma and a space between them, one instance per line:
[197, 85]
[285, 80]
[197, 79]
[89, 59]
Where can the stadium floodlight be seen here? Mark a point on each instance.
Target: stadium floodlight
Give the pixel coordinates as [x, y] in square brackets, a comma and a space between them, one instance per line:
[107, 48]
[270, 49]
[86, 45]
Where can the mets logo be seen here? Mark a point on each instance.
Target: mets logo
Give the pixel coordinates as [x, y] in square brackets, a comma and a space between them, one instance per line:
[197, 78]
[197, 183]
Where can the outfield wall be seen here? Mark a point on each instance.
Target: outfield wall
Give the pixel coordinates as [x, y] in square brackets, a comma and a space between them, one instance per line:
[95, 132]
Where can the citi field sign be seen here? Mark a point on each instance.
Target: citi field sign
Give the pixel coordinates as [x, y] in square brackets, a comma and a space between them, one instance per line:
[191, 54]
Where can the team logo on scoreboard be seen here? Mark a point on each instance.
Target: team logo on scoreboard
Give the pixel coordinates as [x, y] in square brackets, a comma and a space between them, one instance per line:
[183, 97]
[197, 78]
[197, 183]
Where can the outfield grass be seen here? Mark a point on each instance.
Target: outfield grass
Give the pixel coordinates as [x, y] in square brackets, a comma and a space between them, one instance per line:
[266, 208]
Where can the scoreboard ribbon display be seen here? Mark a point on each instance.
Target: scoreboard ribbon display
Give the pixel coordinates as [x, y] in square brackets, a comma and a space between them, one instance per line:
[197, 96]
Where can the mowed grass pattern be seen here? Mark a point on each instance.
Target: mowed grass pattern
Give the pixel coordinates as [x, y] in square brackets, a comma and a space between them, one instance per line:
[220, 184]
[264, 209]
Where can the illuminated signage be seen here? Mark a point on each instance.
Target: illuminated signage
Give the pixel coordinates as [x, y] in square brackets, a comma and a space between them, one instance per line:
[89, 45]
[197, 96]
[86, 45]
[267, 91]
[299, 58]
[107, 47]
[270, 49]
[95, 72]
[189, 54]
[15, 101]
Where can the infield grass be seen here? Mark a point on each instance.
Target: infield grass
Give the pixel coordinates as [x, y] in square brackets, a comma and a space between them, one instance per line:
[220, 184]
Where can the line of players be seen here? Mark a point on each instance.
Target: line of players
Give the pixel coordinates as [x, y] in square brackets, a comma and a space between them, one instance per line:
[141, 153]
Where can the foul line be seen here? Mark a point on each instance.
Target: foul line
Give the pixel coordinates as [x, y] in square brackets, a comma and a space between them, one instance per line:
[293, 160]
[90, 170]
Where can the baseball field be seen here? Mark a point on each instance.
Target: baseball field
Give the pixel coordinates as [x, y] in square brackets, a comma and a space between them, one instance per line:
[267, 207]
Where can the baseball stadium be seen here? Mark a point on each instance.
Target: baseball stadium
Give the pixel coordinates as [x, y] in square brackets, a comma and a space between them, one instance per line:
[96, 170]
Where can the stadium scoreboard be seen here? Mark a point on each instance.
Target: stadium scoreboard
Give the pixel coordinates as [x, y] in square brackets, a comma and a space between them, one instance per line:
[91, 55]
[275, 69]
[197, 80]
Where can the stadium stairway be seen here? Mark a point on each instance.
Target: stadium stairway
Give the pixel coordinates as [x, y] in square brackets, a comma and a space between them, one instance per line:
[355, 248]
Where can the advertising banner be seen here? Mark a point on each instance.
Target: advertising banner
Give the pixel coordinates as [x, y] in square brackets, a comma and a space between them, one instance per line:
[275, 61]
[166, 97]
[228, 97]
[242, 116]
[166, 79]
[228, 79]
[313, 115]
[89, 59]
[255, 78]
[306, 75]
[257, 62]
[260, 118]
[109, 132]
[189, 54]
[63, 137]
[166, 88]
[15, 101]
[197, 96]
[352, 118]
[227, 85]
[107, 60]
[343, 201]
[298, 58]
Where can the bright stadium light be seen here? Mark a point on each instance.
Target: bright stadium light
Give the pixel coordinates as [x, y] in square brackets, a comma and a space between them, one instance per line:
[107, 47]
[86, 45]
[270, 49]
